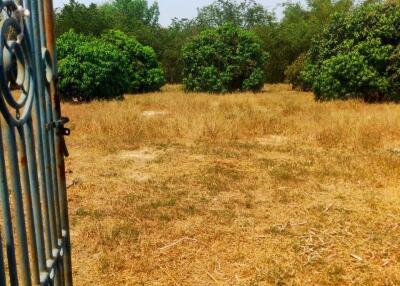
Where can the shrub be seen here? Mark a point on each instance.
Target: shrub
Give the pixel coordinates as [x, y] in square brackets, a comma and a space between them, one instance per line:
[224, 60]
[144, 72]
[357, 55]
[89, 68]
[293, 74]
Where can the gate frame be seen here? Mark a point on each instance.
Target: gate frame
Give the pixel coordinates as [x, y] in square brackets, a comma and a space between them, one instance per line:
[38, 249]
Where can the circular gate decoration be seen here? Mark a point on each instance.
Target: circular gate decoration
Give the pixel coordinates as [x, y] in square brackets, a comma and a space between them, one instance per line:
[16, 80]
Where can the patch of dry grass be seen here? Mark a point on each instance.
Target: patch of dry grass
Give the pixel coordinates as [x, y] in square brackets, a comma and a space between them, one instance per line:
[267, 189]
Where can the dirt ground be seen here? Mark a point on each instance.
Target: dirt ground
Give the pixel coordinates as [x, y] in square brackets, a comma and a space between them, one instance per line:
[266, 189]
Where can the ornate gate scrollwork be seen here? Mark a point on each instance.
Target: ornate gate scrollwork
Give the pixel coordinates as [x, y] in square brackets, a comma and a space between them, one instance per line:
[16, 66]
[17, 71]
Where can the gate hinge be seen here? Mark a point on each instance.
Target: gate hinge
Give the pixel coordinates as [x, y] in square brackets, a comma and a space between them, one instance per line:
[61, 131]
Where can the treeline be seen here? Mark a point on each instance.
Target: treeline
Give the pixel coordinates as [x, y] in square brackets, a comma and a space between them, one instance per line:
[336, 48]
[283, 39]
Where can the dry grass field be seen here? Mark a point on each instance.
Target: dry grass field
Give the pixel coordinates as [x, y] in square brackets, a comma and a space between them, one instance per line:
[268, 189]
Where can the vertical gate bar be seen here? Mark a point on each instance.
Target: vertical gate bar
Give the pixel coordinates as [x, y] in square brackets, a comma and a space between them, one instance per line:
[45, 191]
[33, 221]
[39, 38]
[50, 42]
[59, 140]
[59, 151]
[44, 18]
[7, 223]
[22, 248]
[26, 194]
[50, 136]
[2, 268]
[30, 192]
[35, 34]
[48, 216]
[41, 23]
[49, 28]
[49, 116]
[41, 221]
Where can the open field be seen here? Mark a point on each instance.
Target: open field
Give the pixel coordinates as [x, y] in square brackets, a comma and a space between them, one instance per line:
[268, 189]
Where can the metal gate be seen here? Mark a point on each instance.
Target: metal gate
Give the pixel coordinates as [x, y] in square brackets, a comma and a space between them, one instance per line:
[34, 242]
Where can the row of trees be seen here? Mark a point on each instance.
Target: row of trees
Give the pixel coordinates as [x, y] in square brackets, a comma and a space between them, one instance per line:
[337, 48]
[283, 39]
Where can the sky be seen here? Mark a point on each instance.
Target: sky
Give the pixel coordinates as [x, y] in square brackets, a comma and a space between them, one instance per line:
[188, 8]
[170, 9]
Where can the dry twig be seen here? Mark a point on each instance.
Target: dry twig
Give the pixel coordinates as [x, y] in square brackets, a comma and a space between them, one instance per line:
[177, 242]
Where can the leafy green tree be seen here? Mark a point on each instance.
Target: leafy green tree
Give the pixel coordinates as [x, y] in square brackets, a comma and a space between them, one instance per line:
[143, 71]
[287, 39]
[89, 68]
[125, 13]
[293, 73]
[222, 60]
[133, 17]
[82, 19]
[284, 40]
[246, 14]
[173, 39]
[357, 55]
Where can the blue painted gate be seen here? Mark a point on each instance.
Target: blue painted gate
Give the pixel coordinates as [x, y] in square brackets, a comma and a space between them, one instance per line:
[34, 242]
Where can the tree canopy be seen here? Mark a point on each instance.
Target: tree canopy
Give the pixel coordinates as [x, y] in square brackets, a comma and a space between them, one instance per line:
[105, 67]
[357, 56]
[302, 29]
[246, 14]
[224, 59]
[283, 38]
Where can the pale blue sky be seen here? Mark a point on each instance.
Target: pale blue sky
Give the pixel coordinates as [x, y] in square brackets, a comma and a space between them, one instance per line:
[184, 8]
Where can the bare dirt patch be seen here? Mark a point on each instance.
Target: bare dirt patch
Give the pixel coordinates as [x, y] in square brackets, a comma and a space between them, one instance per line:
[141, 156]
[154, 113]
[274, 140]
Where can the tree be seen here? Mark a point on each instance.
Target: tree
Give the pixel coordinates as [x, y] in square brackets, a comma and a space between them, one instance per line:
[127, 12]
[89, 68]
[286, 40]
[133, 17]
[246, 14]
[88, 20]
[357, 55]
[222, 60]
[143, 72]
[293, 73]
[172, 40]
